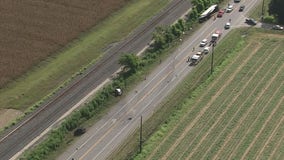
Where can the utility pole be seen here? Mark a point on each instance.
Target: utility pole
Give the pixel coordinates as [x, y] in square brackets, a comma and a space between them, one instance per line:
[262, 11]
[212, 57]
[141, 135]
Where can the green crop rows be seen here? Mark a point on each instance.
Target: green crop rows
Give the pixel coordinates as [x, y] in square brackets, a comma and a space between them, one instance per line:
[238, 115]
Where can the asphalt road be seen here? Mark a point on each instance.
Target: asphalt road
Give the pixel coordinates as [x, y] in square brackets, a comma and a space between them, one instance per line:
[106, 135]
[16, 138]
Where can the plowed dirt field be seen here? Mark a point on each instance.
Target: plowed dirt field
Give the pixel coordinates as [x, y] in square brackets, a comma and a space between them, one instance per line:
[33, 30]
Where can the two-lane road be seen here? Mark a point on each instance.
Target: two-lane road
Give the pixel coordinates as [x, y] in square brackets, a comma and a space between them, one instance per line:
[106, 135]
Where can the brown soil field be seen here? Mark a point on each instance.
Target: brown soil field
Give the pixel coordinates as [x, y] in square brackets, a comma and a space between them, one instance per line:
[33, 30]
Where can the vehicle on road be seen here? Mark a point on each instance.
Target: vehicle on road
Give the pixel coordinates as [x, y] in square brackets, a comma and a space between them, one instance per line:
[208, 12]
[237, 1]
[242, 7]
[277, 27]
[220, 13]
[206, 50]
[215, 36]
[229, 8]
[195, 59]
[251, 21]
[203, 43]
[227, 25]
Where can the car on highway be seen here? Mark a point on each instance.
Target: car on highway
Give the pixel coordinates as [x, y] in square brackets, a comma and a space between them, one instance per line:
[220, 13]
[229, 8]
[206, 50]
[203, 43]
[227, 25]
[251, 21]
[242, 7]
[277, 27]
[195, 59]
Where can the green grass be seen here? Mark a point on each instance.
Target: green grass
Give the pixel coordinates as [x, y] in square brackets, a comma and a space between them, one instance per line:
[55, 71]
[240, 111]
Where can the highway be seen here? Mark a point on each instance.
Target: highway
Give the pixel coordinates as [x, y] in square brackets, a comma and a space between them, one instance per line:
[107, 134]
[19, 137]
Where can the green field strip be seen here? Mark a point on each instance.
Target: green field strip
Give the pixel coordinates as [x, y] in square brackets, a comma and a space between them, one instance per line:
[221, 83]
[219, 126]
[265, 132]
[252, 87]
[225, 95]
[278, 150]
[267, 129]
[211, 107]
[252, 115]
[206, 95]
[271, 144]
[237, 82]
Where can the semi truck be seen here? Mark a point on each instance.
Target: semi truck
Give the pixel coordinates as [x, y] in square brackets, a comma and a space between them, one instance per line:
[208, 12]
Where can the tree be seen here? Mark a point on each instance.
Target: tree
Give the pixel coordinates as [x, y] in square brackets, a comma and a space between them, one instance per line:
[130, 61]
[276, 9]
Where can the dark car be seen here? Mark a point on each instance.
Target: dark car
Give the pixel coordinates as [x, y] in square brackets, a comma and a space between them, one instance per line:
[242, 7]
[79, 131]
[251, 21]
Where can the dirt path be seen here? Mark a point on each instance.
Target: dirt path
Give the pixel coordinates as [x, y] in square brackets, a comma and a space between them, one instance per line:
[7, 116]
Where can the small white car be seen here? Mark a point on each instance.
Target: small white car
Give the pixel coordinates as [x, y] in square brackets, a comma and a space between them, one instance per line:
[206, 50]
[203, 43]
[229, 8]
[227, 25]
[277, 27]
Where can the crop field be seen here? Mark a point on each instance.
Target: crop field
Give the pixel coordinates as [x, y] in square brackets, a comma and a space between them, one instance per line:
[33, 30]
[237, 115]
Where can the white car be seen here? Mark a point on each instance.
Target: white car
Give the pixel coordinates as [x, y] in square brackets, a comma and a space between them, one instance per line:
[227, 25]
[203, 43]
[277, 27]
[206, 50]
[229, 8]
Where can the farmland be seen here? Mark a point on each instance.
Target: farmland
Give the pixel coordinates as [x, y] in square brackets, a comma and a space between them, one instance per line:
[34, 30]
[41, 76]
[237, 113]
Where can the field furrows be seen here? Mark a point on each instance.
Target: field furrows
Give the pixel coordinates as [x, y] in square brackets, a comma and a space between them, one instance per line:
[190, 116]
[33, 30]
[241, 114]
[235, 105]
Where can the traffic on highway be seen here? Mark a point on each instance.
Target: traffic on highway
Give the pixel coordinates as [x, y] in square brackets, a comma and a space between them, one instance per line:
[110, 132]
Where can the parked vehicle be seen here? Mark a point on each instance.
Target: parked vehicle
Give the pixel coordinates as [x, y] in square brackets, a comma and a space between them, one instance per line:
[220, 13]
[215, 36]
[203, 43]
[277, 27]
[206, 50]
[237, 1]
[251, 21]
[118, 92]
[242, 7]
[208, 12]
[195, 59]
[229, 8]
